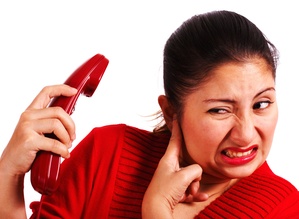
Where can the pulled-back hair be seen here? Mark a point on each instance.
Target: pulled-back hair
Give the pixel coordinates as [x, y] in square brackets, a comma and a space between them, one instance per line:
[204, 42]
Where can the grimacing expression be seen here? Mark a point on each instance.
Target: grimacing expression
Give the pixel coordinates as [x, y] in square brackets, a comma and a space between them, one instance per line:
[228, 123]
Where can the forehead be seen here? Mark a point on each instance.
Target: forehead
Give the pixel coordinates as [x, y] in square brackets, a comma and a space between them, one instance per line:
[253, 68]
[238, 78]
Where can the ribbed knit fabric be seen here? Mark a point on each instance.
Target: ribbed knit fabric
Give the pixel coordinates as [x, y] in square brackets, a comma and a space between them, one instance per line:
[256, 196]
[109, 171]
[139, 158]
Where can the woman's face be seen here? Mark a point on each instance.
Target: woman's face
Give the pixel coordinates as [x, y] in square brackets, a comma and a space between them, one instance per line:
[229, 122]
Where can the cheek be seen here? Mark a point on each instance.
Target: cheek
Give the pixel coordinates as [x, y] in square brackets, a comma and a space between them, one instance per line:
[268, 128]
[202, 140]
[271, 128]
[267, 124]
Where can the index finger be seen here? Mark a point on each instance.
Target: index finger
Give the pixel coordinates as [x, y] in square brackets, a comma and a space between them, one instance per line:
[175, 143]
[43, 99]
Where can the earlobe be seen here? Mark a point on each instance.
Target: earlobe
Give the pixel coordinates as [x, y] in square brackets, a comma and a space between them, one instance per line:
[167, 110]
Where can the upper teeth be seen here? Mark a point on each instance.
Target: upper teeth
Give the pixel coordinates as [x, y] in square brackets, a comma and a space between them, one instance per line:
[237, 154]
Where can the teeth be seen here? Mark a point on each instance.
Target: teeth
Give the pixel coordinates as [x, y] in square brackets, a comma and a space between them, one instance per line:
[233, 154]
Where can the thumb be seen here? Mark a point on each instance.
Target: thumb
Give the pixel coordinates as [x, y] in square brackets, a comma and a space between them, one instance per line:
[190, 177]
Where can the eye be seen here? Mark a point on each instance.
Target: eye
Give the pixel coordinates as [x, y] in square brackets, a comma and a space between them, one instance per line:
[217, 111]
[262, 105]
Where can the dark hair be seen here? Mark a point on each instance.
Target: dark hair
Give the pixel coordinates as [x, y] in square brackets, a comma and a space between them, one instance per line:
[204, 42]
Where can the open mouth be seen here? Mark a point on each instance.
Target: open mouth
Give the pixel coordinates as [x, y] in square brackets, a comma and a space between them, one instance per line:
[238, 153]
[238, 156]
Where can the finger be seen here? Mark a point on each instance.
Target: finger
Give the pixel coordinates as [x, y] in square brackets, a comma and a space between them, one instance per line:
[193, 187]
[33, 138]
[43, 99]
[198, 197]
[54, 126]
[175, 143]
[190, 177]
[46, 120]
[195, 193]
[190, 174]
[53, 145]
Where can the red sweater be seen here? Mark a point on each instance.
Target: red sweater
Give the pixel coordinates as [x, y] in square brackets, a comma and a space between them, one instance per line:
[109, 171]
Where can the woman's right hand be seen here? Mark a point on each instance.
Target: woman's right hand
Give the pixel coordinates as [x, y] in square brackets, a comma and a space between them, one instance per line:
[28, 137]
[171, 183]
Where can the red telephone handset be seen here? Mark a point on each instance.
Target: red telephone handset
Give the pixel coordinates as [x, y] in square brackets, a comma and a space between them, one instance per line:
[45, 168]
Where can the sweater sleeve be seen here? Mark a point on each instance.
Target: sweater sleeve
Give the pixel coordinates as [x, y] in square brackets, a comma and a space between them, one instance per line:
[82, 174]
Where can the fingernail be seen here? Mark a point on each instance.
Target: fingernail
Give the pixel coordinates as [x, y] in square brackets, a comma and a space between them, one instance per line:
[74, 89]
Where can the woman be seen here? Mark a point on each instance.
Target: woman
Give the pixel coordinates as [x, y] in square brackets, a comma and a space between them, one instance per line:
[207, 161]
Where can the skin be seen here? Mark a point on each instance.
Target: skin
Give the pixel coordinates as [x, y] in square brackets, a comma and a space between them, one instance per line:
[27, 140]
[235, 110]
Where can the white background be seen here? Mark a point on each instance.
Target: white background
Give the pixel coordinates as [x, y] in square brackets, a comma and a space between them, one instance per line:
[41, 43]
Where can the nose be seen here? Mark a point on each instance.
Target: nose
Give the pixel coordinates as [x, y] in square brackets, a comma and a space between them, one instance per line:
[243, 131]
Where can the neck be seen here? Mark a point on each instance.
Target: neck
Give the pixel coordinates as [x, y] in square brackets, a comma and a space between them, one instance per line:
[216, 186]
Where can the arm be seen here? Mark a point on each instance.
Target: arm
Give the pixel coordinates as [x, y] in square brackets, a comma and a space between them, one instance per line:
[27, 140]
[12, 198]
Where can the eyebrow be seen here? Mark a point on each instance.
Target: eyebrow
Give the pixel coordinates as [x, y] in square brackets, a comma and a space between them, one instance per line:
[227, 100]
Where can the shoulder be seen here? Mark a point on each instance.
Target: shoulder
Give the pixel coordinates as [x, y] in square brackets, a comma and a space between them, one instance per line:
[119, 137]
[107, 131]
[129, 134]
[268, 186]
[280, 194]
[271, 192]
[287, 208]
[112, 134]
[278, 185]
[115, 130]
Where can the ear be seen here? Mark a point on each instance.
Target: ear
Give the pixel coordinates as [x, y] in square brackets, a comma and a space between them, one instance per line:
[167, 110]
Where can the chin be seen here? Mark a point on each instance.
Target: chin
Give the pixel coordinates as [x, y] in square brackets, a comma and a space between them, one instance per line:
[238, 172]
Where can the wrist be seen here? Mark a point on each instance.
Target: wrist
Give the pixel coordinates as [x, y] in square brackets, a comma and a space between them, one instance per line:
[12, 197]
[10, 178]
[154, 208]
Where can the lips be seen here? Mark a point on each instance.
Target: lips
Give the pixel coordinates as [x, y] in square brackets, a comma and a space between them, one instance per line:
[238, 156]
